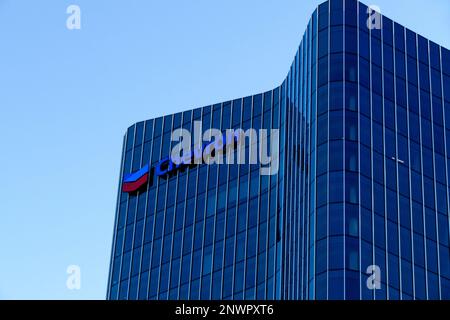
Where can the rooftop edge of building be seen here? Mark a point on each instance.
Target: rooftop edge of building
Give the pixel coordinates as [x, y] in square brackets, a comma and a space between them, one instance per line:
[445, 52]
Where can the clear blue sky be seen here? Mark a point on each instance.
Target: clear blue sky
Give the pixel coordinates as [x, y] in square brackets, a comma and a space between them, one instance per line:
[66, 98]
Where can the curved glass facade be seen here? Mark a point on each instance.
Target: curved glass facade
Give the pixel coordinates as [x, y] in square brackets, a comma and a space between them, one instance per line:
[363, 180]
[207, 231]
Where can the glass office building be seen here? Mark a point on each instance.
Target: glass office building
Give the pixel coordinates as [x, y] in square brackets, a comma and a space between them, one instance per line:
[364, 120]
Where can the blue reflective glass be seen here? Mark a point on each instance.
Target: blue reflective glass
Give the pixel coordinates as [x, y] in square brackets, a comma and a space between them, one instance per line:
[365, 136]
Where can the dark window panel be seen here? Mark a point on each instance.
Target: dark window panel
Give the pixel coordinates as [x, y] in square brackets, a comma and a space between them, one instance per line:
[351, 41]
[376, 79]
[323, 15]
[130, 137]
[337, 12]
[423, 49]
[445, 61]
[364, 73]
[388, 31]
[413, 99]
[424, 77]
[351, 12]
[435, 61]
[411, 44]
[388, 58]
[399, 37]
[336, 39]
[400, 67]
[323, 71]
[412, 71]
[364, 45]
[376, 50]
[363, 15]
